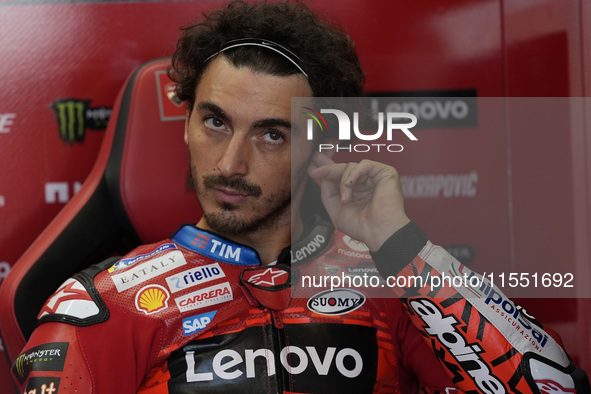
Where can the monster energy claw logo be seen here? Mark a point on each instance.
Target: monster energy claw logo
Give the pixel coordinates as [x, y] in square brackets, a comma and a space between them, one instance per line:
[19, 366]
[75, 116]
[45, 357]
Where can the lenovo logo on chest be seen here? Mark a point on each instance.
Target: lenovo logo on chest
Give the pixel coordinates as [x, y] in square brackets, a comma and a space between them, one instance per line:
[229, 364]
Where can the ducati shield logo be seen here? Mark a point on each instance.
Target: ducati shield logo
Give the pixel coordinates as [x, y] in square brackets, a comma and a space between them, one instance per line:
[336, 302]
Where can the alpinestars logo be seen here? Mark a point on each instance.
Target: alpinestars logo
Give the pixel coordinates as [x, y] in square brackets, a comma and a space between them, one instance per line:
[74, 116]
[443, 328]
[269, 278]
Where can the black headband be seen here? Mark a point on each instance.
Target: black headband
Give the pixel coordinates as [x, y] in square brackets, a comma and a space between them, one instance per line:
[283, 51]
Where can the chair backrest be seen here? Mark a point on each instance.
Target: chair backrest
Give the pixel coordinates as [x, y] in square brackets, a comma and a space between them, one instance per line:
[137, 192]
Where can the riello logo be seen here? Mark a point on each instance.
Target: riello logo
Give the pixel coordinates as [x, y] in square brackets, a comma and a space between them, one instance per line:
[388, 122]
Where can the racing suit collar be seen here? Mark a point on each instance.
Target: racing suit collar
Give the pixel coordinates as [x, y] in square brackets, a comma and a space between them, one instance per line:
[315, 238]
[312, 243]
[215, 246]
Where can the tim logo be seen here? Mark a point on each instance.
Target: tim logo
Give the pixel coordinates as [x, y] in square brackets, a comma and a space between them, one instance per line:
[388, 122]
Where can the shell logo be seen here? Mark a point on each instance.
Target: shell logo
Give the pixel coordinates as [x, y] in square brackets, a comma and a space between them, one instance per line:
[151, 299]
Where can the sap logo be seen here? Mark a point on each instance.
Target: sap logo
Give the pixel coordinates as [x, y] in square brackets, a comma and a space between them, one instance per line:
[336, 302]
[225, 363]
[443, 328]
[6, 120]
[59, 192]
[197, 323]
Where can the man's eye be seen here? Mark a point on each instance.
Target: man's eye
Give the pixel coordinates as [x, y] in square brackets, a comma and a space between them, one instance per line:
[214, 123]
[274, 137]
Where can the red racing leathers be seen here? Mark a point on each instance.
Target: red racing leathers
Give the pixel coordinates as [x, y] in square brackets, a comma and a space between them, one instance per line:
[198, 313]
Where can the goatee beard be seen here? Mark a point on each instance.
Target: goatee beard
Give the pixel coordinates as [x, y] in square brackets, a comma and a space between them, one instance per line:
[274, 209]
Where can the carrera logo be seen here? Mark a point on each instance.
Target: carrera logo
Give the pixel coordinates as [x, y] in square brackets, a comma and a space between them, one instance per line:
[269, 278]
[204, 297]
[443, 328]
[336, 302]
[152, 299]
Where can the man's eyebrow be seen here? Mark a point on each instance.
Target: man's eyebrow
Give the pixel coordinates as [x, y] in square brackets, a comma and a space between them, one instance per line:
[215, 109]
[272, 122]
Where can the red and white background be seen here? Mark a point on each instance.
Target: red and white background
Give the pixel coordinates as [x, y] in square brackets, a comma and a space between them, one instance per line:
[525, 194]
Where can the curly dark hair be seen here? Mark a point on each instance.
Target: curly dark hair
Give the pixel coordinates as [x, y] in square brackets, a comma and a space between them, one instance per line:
[327, 53]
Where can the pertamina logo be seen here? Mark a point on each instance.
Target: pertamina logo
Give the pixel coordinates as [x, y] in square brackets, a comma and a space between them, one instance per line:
[74, 116]
[151, 299]
[211, 295]
[336, 302]
[385, 121]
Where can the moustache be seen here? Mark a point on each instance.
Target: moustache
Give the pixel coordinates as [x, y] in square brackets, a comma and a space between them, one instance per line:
[238, 185]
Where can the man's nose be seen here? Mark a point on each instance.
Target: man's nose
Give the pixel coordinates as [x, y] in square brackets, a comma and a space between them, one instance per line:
[234, 160]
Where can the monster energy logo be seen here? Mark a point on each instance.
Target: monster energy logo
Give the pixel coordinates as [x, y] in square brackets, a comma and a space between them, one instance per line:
[46, 357]
[75, 116]
[19, 366]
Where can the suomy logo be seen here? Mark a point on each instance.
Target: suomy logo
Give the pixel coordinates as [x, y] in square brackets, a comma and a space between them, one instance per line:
[336, 302]
[390, 120]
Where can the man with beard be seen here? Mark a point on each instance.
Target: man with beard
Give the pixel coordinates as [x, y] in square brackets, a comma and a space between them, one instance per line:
[218, 307]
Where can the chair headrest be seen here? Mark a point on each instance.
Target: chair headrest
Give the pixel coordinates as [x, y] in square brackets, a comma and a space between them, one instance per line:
[148, 169]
